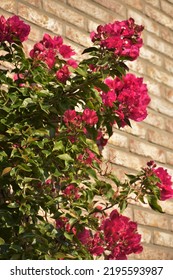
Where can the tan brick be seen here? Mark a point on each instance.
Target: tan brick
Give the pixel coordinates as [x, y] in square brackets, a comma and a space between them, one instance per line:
[163, 239]
[92, 10]
[155, 119]
[169, 157]
[167, 7]
[113, 6]
[167, 207]
[169, 125]
[154, 252]
[36, 3]
[154, 87]
[168, 65]
[138, 66]
[158, 16]
[154, 3]
[146, 234]
[161, 105]
[91, 25]
[40, 18]
[123, 158]
[9, 5]
[147, 150]
[151, 56]
[119, 140]
[149, 24]
[128, 212]
[168, 93]
[159, 75]
[161, 138]
[166, 34]
[137, 129]
[158, 44]
[149, 218]
[64, 12]
[78, 36]
[137, 4]
[35, 33]
[171, 222]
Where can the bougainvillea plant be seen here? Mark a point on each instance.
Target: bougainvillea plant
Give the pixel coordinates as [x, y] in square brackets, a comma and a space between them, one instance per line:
[56, 116]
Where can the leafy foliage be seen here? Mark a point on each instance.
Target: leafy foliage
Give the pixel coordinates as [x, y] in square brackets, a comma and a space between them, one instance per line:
[53, 126]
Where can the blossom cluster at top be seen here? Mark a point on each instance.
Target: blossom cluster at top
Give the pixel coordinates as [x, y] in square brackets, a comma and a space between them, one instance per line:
[13, 29]
[117, 237]
[52, 51]
[131, 94]
[123, 37]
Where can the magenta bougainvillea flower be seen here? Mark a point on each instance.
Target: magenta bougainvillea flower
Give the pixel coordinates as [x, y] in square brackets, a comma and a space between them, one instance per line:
[89, 117]
[123, 37]
[165, 184]
[131, 94]
[93, 243]
[70, 116]
[71, 191]
[13, 29]
[88, 157]
[48, 49]
[117, 238]
[63, 74]
[121, 237]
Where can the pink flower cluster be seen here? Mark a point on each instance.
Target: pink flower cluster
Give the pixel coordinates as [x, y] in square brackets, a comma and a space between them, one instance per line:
[117, 238]
[50, 50]
[88, 117]
[88, 157]
[71, 191]
[63, 224]
[13, 29]
[131, 95]
[93, 243]
[165, 184]
[165, 180]
[121, 237]
[123, 37]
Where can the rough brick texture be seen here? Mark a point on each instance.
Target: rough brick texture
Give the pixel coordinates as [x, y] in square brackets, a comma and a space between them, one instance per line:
[130, 148]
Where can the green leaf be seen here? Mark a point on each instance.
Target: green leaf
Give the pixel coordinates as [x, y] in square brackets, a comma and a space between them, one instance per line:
[101, 85]
[132, 178]
[41, 132]
[2, 241]
[58, 146]
[93, 146]
[81, 72]
[68, 236]
[152, 200]
[24, 167]
[123, 205]
[91, 49]
[66, 157]
[26, 102]
[2, 137]
[91, 172]
[13, 205]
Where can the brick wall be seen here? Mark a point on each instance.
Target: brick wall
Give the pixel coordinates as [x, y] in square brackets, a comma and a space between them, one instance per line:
[128, 149]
